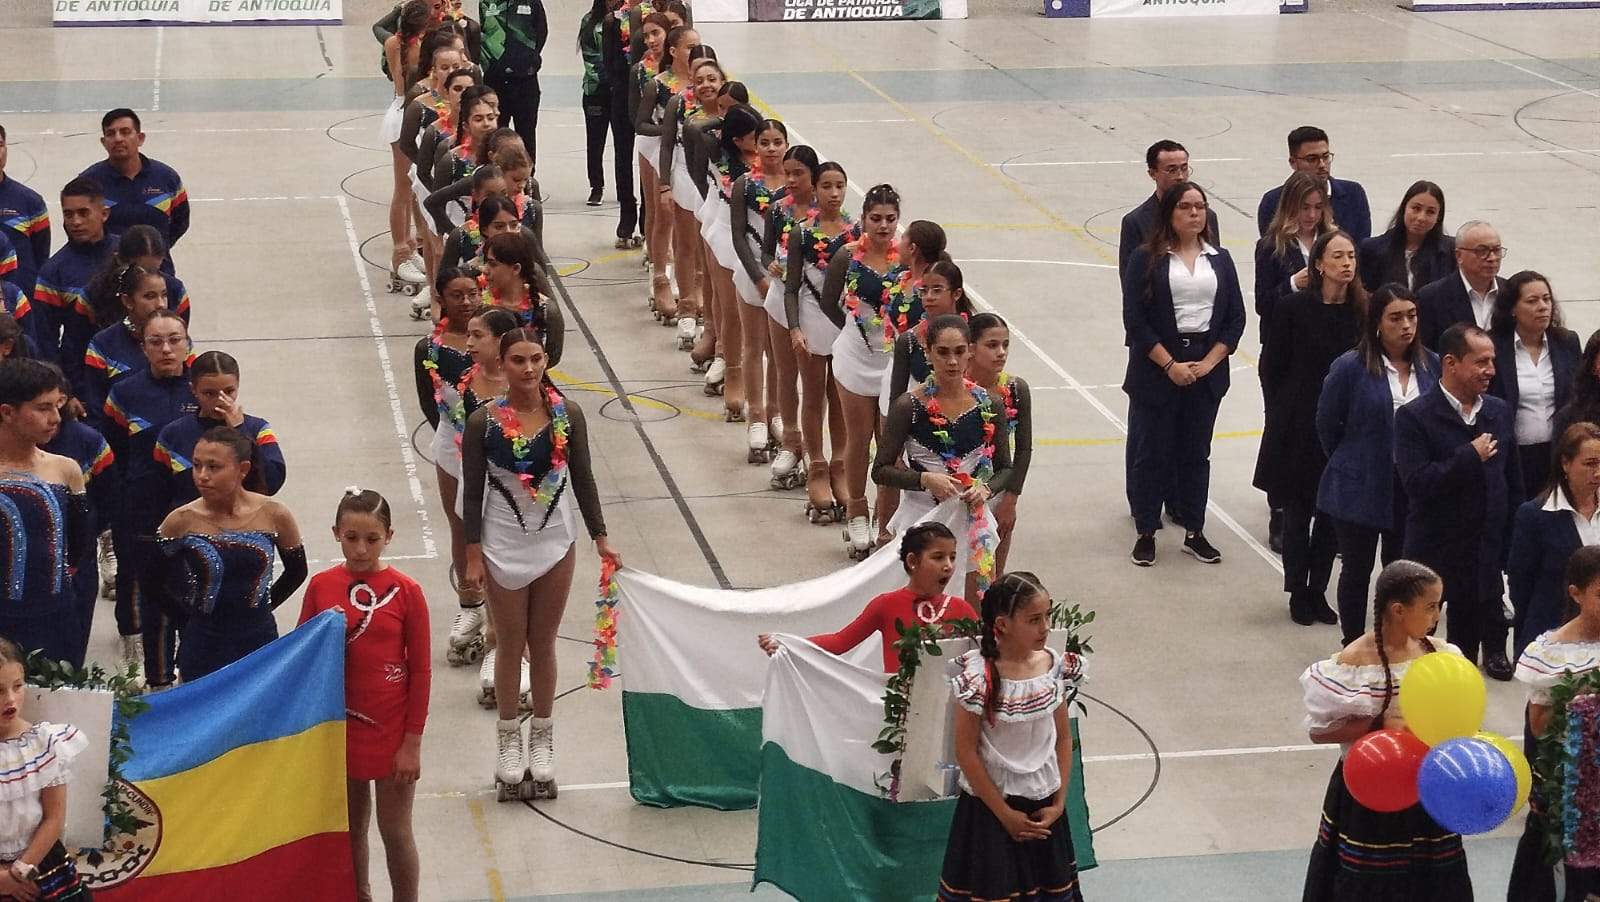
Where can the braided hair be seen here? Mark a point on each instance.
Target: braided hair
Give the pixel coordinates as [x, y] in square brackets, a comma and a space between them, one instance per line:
[1404, 582]
[1002, 599]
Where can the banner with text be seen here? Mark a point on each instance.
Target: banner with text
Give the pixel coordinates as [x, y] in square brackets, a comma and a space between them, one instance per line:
[1142, 8]
[858, 10]
[131, 12]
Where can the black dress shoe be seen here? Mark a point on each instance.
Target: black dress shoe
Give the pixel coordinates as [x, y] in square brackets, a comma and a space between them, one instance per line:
[1275, 531]
[1320, 609]
[1300, 609]
[1496, 665]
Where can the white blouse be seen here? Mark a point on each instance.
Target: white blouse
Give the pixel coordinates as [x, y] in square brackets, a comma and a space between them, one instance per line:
[1018, 750]
[1194, 295]
[1338, 693]
[1588, 527]
[1401, 396]
[1536, 394]
[1545, 662]
[39, 758]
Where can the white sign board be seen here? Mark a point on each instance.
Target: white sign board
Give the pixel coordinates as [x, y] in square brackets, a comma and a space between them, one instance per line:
[90, 711]
[1201, 8]
[200, 12]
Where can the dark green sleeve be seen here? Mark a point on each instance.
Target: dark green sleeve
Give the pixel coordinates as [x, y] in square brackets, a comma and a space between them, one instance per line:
[795, 276]
[581, 473]
[452, 255]
[832, 300]
[1022, 453]
[386, 27]
[669, 139]
[437, 204]
[474, 472]
[555, 326]
[427, 153]
[739, 213]
[900, 371]
[770, 233]
[410, 125]
[1001, 480]
[642, 106]
[886, 467]
[430, 409]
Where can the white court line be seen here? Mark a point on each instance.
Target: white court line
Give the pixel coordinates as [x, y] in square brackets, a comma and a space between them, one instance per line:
[402, 431]
[576, 787]
[155, 84]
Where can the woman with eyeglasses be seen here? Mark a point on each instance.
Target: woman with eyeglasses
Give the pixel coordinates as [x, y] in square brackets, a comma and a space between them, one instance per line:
[115, 352]
[137, 408]
[1535, 356]
[1184, 315]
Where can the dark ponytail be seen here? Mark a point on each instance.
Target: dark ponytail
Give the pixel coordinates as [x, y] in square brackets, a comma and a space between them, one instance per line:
[1001, 600]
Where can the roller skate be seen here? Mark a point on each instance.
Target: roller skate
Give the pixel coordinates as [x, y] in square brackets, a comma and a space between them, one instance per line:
[716, 376]
[511, 779]
[688, 331]
[858, 542]
[775, 431]
[821, 508]
[466, 636]
[133, 658]
[542, 756]
[760, 443]
[486, 693]
[788, 470]
[422, 304]
[407, 279]
[107, 559]
[663, 306]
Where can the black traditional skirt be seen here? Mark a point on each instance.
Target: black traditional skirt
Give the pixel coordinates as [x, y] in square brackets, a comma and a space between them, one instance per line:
[1363, 855]
[983, 862]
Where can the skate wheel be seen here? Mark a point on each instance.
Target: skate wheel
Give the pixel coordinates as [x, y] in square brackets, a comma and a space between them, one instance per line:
[486, 698]
[544, 789]
[473, 653]
[814, 515]
[502, 792]
[410, 289]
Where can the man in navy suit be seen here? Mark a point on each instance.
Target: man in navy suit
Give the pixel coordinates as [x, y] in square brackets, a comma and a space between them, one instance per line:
[1168, 164]
[1468, 294]
[1456, 455]
[1308, 152]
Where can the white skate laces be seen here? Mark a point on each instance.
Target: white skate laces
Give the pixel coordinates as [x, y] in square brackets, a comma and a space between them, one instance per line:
[542, 749]
[511, 763]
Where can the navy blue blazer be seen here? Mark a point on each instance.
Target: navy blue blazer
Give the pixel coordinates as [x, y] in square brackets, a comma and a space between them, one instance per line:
[1560, 344]
[1541, 542]
[1272, 278]
[1155, 323]
[1351, 211]
[1442, 303]
[1426, 265]
[1355, 423]
[1460, 506]
[1136, 225]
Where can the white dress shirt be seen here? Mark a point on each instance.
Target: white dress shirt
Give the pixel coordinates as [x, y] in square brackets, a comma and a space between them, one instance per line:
[1588, 527]
[1536, 393]
[1400, 396]
[1194, 295]
[1470, 417]
[1482, 304]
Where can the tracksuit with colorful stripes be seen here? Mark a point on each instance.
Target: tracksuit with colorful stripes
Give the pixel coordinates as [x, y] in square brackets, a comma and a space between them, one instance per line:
[25, 221]
[153, 197]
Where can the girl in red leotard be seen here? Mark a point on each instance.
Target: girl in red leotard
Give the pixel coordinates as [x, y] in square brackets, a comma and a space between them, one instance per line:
[928, 552]
[386, 674]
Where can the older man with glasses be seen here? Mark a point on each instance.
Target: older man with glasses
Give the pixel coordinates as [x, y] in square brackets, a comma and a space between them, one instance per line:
[1468, 294]
[1308, 152]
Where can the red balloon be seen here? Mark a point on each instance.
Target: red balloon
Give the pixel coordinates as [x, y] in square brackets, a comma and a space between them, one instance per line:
[1381, 769]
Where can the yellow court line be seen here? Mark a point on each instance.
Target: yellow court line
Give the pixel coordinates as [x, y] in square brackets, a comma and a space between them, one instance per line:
[1248, 433]
[608, 258]
[652, 403]
[497, 891]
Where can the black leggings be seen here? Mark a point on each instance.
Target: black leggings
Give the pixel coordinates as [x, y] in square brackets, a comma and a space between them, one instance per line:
[519, 109]
[605, 109]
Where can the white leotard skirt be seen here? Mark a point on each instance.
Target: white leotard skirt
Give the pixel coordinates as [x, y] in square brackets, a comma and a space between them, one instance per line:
[514, 553]
[857, 368]
[446, 455]
[819, 330]
[393, 118]
[684, 193]
[717, 230]
[916, 506]
[748, 292]
[649, 147]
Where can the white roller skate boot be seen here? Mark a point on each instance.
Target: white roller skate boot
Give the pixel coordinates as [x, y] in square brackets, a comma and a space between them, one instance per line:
[788, 470]
[133, 657]
[760, 443]
[408, 278]
[688, 328]
[858, 538]
[542, 756]
[107, 562]
[422, 304]
[511, 765]
[466, 635]
[486, 680]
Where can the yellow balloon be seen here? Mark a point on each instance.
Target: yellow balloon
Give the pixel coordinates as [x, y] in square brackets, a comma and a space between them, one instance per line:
[1442, 697]
[1519, 765]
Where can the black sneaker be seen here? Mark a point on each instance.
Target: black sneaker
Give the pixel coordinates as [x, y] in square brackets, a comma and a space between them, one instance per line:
[1144, 551]
[1198, 548]
[594, 196]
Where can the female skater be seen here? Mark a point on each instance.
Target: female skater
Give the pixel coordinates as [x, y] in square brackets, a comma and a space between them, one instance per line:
[940, 292]
[1363, 854]
[214, 376]
[386, 677]
[400, 53]
[479, 116]
[648, 94]
[220, 549]
[46, 512]
[428, 106]
[1010, 838]
[115, 351]
[512, 279]
[812, 244]
[798, 204]
[442, 363]
[928, 554]
[991, 348]
[38, 756]
[137, 408]
[464, 245]
[677, 199]
[945, 430]
[520, 456]
[755, 195]
[441, 133]
[867, 295]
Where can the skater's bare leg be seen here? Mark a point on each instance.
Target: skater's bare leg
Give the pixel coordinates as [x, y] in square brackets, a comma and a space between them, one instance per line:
[547, 601]
[394, 801]
[358, 798]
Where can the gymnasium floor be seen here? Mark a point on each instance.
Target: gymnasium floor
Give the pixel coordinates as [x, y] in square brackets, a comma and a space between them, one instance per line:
[1025, 138]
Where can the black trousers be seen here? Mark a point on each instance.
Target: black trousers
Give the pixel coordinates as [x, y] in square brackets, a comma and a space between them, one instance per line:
[1170, 443]
[519, 109]
[608, 109]
[1536, 463]
[1309, 546]
[1359, 545]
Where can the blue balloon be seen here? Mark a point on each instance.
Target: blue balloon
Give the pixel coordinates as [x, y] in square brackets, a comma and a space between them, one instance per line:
[1467, 786]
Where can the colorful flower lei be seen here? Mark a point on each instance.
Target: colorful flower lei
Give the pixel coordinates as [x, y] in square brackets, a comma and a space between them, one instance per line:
[548, 490]
[905, 300]
[604, 666]
[648, 65]
[1009, 403]
[981, 542]
[455, 412]
[889, 289]
[821, 241]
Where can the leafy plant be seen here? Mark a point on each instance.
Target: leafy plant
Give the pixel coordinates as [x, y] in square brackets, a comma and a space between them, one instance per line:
[49, 673]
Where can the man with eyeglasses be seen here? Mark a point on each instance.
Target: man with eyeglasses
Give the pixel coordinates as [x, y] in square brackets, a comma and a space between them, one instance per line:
[1308, 152]
[1468, 294]
[1168, 164]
